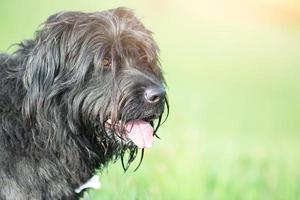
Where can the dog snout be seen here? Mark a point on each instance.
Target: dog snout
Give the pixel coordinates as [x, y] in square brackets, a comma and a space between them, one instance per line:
[154, 94]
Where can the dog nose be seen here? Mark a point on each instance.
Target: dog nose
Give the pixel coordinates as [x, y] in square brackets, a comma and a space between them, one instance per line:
[154, 94]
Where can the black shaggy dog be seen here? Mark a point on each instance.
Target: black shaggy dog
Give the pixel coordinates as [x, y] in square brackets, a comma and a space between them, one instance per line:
[88, 89]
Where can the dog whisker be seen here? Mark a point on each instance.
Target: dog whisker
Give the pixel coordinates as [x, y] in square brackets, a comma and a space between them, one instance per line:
[75, 98]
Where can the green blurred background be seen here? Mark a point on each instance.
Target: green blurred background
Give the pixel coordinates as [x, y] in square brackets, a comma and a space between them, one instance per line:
[232, 69]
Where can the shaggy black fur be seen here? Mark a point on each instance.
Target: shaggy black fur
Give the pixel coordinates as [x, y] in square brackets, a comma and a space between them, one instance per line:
[57, 92]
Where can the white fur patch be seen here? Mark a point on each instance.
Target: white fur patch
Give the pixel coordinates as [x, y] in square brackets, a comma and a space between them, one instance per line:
[93, 182]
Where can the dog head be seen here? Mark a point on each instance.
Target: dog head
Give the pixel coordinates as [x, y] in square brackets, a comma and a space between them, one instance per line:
[96, 76]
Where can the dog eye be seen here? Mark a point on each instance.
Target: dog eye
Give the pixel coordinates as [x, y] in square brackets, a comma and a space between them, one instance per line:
[106, 62]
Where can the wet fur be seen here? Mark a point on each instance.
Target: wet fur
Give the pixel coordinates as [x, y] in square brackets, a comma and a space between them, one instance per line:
[56, 94]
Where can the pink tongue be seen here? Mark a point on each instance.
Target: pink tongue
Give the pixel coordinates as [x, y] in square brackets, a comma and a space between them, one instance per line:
[140, 133]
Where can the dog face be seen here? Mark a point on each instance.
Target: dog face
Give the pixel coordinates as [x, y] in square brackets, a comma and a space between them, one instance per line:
[97, 74]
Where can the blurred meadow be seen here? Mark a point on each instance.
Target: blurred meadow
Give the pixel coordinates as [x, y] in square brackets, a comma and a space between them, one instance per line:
[233, 73]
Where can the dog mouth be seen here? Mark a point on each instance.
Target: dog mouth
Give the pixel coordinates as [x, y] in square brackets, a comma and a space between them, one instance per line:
[138, 131]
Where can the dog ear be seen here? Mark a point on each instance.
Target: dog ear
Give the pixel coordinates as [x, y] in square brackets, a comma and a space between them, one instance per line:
[43, 77]
[56, 63]
[62, 55]
[41, 69]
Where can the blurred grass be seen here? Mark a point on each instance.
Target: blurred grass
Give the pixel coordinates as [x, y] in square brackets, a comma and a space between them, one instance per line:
[233, 84]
